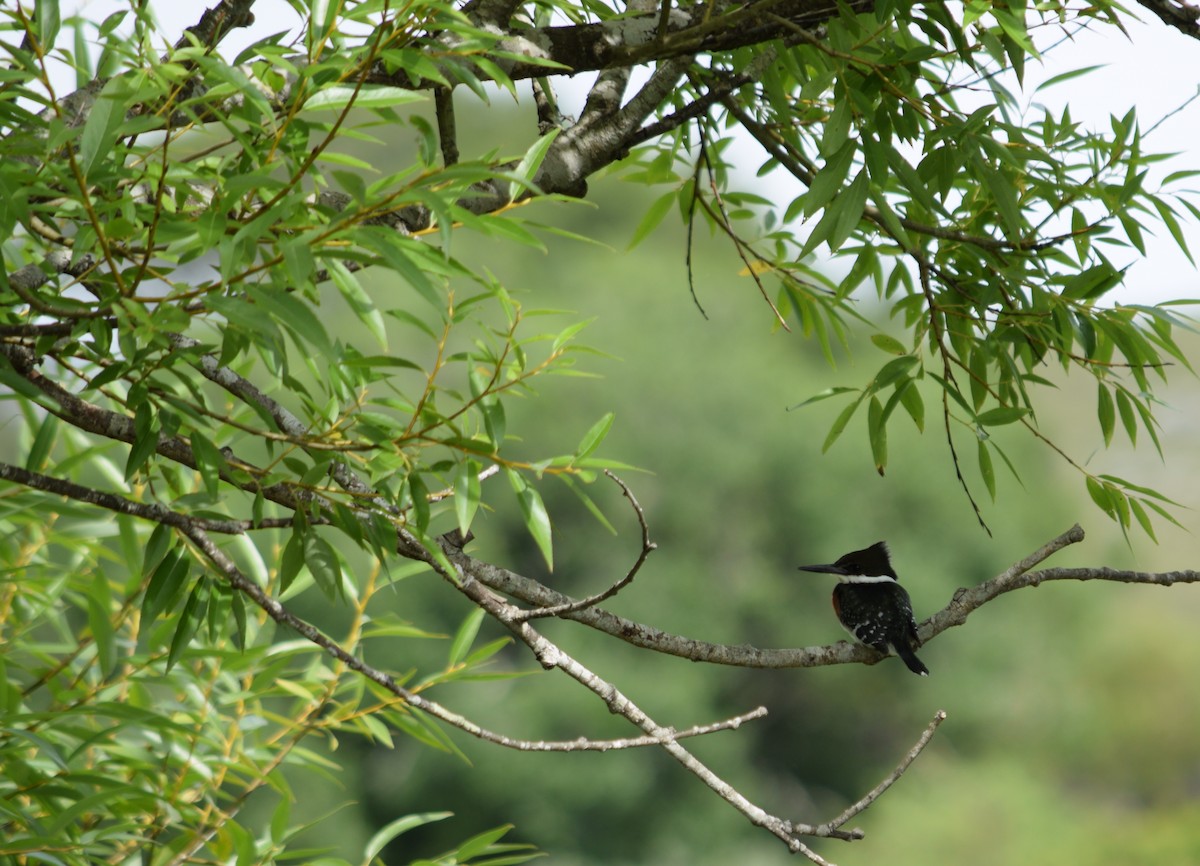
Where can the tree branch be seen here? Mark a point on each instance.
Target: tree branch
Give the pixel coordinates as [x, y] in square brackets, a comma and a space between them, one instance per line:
[550, 656]
[1183, 16]
[196, 529]
[964, 602]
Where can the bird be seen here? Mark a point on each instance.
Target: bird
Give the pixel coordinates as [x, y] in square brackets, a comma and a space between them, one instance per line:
[871, 604]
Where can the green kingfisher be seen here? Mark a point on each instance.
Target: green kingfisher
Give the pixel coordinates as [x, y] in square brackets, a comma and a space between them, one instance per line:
[871, 604]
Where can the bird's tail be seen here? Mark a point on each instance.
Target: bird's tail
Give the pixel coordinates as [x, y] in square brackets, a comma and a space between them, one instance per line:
[910, 659]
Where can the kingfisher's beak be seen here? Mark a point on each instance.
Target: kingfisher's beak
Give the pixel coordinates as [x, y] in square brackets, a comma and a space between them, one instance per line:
[823, 569]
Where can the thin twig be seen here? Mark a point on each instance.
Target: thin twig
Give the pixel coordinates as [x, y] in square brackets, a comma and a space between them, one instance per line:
[648, 547]
[875, 793]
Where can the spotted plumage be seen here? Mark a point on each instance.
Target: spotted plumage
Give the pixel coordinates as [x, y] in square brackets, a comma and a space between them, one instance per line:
[871, 604]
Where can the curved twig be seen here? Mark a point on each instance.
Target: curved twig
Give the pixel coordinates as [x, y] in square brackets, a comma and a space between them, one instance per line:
[648, 547]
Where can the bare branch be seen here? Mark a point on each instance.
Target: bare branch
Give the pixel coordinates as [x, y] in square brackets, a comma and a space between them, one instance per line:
[876, 792]
[964, 602]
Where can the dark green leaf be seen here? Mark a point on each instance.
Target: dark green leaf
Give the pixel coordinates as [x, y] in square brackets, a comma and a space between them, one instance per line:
[145, 442]
[292, 561]
[166, 584]
[189, 621]
[323, 563]
[156, 547]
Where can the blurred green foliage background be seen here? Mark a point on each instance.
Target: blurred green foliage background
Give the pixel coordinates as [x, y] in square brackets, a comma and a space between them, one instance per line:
[1072, 733]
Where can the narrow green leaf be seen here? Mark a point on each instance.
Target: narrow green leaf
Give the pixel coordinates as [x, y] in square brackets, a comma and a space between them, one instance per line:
[323, 564]
[889, 344]
[189, 621]
[877, 431]
[238, 607]
[986, 470]
[1143, 519]
[1099, 496]
[1001, 415]
[339, 97]
[591, 506]
[388, 832]
[592, 439]
[48, 20]
[292, 561]
[209, 461]
[1067, 76]
[1128, 417]
[839, 424]
[824, 395]
[420, 501]
[99, 608]
[829, 179]
[979, 377]
[837, 128]
[528, 167]
[480, 844]
[893, 371]
[156, 548]
[913, 403]
[850, 204]
[297, 317]
[39, 451]
[464, 637]
[537, 521]
[166, 584]
[467, 493]
[1004, 195]
[145, 442]
[1105, 412]
[102, 124]
[653, 216]
[358, 300]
